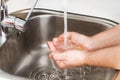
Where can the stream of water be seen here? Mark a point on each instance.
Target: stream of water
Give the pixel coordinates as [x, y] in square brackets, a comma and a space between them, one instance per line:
[65, 31]
[65, 22]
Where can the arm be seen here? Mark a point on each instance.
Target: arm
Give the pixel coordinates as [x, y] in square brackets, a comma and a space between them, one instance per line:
[106, 39]
[101, 40]
[107, 57]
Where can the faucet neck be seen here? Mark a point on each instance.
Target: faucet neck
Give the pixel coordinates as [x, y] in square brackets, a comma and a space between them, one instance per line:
[2, 2]
[3, 14]
[3, 11]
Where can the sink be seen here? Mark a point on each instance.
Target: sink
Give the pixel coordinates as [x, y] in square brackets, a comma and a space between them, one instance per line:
[23, 54]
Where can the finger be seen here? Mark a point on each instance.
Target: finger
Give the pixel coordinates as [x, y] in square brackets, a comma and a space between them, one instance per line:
[75, 40]
[69, 35]
[56, 41]
[51, 55]
[59, 56]
[60, 64]
[51, 46]
[61, 37]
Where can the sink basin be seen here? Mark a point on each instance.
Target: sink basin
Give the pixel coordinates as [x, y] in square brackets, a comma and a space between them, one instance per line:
[21, 55]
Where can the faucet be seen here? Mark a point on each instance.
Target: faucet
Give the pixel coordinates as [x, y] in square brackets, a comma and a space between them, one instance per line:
[9, 23]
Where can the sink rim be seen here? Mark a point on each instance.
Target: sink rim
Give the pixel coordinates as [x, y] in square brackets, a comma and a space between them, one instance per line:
[60, 13]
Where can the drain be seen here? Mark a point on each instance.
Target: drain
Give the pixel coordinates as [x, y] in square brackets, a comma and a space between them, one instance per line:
[46, 73]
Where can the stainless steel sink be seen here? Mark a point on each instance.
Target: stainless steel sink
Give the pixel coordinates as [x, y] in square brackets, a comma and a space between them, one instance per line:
[23, 54]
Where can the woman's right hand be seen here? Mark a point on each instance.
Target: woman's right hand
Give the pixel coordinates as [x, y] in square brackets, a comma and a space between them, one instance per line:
[75, 41]
[78, 39]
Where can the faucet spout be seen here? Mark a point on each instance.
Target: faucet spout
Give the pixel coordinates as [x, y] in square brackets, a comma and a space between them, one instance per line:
[3, 8]
[9, 23]
[14, 23]
[3, 13]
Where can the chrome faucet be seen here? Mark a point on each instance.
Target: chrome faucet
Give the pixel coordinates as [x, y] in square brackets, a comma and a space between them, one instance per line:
[3, 13]
[8, 23]
[3, 9]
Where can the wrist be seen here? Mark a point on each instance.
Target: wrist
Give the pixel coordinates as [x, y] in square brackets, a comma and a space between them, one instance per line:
[86, 58]
[89, 46]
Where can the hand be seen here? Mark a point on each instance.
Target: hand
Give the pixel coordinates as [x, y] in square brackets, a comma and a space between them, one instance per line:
[75, 41]
[57, 46]
[71, 58]
[78, 39]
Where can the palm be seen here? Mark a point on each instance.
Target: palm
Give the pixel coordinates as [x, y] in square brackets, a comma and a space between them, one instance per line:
[59, 45]
[71, 58]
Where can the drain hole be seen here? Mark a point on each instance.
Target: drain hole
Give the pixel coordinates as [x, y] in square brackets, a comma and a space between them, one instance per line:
[46, 73]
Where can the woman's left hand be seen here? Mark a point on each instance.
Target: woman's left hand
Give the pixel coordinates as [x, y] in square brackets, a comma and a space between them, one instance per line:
[70, 58]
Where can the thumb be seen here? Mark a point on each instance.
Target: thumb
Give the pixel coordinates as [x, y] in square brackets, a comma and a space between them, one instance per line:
[78, 39]
[81, 40]
[51, 46]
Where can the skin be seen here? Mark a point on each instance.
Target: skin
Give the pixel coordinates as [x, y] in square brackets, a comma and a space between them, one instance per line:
[107, 57]
[65, 60]
[102, 49]
[98, 41]
[106, 39]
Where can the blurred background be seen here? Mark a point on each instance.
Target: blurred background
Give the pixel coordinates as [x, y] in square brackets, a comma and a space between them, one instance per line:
[109, 9]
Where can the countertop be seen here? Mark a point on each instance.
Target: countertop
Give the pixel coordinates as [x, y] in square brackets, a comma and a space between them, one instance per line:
[109, 9]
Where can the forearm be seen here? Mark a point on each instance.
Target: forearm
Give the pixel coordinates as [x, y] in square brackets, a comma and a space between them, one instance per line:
[107, 57]
[106, 39]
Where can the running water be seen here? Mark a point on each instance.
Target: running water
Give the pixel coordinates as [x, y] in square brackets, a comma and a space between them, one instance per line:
[65, 22]
[65, 32]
